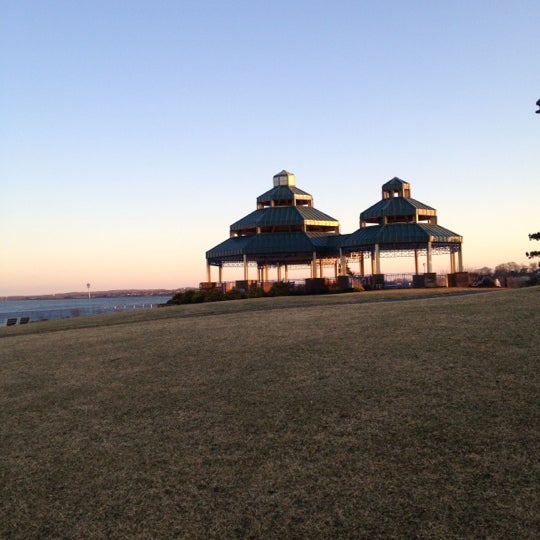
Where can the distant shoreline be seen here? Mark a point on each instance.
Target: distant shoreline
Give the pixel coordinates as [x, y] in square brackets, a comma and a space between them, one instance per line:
[93, 294]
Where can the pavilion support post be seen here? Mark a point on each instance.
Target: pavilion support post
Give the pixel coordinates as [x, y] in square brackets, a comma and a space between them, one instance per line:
[342, 263]
[265, 272]
[362, 271]
[416, 261]
[245, 268]
[286, 273]
[208, 273]
[314, 265]
[320, 268]
[279, 272]
[221, 273]
[373, 269]
[452, 262]
[429, 258]
[377, 259]
[460, 259]
[336, 269]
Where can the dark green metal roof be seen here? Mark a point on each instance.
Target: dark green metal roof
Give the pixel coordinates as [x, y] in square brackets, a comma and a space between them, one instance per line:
[395, 184]
[273, 246]
[232, 248]
[282, 193]
[282, 215]
[298, 247]
[399, 235]
[324, 242]
[395, 206]
[312, 214]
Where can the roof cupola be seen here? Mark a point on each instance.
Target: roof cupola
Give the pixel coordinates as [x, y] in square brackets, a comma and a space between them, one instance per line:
[284, 178]
[396, 188]
[397, 206]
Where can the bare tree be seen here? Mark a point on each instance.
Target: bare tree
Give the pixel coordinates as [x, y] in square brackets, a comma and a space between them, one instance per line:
[534, 236]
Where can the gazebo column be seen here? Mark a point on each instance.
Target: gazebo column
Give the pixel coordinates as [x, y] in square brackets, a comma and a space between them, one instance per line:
[428, 257]
[336, 269]
[220, 273]
[460, 259]
[245, 268]
[265, 272]
[452, 261]
[208, 273]
[314, 265]
[416, 261]
[373, 268]
[342, 263]
[279, 272]
[286, 273]
[377, 259]
[362, 271]
[320, 268]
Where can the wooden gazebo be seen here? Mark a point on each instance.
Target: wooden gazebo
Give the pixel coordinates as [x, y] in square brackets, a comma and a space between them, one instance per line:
[284, 230]
[399, 225]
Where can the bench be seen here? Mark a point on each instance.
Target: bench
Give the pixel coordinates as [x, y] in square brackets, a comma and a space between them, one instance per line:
[12, 321]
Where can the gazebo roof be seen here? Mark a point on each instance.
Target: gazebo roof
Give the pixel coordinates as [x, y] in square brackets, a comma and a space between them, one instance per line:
[283, 193]
[399, 236]
[280, 247]
[282, 216]
[395, 184]
[394, 207]
[286, 228]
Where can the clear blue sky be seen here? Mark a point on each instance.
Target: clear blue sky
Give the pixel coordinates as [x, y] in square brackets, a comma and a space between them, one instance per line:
[133, 133]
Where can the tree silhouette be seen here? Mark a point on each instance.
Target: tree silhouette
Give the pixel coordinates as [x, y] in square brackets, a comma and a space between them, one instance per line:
[534, 236]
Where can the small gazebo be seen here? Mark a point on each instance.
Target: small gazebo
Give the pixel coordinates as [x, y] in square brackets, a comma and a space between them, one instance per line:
[284, 230]
[399, 225]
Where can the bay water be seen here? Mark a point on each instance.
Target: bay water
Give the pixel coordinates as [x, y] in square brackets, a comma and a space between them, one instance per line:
[42, 310]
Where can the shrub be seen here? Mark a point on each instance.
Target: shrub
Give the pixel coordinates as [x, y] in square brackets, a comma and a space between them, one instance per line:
[280, 288]
[234, 294]
[255, 292]
[179, 298]
[191, 296]
[487, 281]
[214, 295]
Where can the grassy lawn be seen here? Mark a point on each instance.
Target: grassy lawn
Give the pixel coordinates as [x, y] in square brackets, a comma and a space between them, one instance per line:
[397, 414]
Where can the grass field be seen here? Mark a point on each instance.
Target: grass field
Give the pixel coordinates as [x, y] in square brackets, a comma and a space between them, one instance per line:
[398, 414]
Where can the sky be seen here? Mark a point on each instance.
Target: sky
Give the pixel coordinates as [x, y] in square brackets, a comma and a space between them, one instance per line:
[134, 133]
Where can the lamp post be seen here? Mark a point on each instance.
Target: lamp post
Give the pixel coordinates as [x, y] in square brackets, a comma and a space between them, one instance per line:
[88, 286]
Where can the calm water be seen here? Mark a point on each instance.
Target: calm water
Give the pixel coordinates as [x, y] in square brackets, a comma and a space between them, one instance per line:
[41, 310]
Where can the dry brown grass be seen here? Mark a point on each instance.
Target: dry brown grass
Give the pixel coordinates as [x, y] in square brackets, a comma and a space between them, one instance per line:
[346, 416]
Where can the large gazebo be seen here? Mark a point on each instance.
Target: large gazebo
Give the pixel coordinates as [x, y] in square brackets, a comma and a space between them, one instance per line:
[284, 230]
[399, 225]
